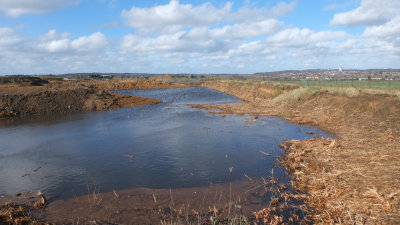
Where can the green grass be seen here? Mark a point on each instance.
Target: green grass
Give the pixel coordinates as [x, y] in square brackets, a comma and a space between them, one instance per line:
[395, 85]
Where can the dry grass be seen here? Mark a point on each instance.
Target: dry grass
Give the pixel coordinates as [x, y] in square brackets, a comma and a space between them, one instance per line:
[295, 94]
[352, 179]
[17, 214]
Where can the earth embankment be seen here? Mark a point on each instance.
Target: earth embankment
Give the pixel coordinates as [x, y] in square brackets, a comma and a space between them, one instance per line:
[351, 179]
[73, 96]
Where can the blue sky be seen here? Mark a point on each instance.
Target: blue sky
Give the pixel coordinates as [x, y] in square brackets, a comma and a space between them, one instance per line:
[172, 36]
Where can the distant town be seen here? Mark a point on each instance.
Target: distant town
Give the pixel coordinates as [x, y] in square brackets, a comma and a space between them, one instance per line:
[317, 74]
[341, 74]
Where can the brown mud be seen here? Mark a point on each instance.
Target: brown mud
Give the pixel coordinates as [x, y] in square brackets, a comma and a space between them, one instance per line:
[352, 179]
[73, 96]
[228, 203]
[152, 206]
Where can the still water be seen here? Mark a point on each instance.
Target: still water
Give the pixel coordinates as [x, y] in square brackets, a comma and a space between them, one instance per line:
[168, 145]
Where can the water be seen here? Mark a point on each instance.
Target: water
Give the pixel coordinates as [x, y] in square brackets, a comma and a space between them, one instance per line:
[168, 145]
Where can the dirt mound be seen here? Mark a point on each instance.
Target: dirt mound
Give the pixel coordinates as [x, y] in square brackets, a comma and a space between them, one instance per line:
[133, 84]
[66, 101]
[66, 97]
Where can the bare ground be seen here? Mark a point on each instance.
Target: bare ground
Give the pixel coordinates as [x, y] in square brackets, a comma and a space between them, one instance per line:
[73, 96]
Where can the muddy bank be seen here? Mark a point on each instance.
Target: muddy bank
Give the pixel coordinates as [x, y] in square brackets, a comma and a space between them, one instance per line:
[228, 203]
[352, 179]
[73, 96]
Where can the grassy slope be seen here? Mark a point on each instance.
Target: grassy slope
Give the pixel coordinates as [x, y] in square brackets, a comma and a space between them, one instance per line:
[353, 179]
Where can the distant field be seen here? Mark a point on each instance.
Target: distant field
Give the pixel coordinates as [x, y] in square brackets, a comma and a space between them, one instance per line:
[395, 85]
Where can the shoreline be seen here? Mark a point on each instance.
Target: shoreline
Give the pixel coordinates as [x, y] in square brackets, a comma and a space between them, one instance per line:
[349, 179]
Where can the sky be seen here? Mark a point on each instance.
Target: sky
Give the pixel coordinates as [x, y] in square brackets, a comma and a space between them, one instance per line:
[199, 36]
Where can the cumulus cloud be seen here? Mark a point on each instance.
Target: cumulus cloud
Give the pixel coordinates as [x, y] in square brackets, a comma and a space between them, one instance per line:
[381, 34]
[174, 16]
[236, 31]
[185, 28]
[370, 12]
[54, 42]
[166, 44]
[301, 37]
[200, 39]
[8, 38]
[90, 43]
[15, 8]
[384, 37]
[390, 29]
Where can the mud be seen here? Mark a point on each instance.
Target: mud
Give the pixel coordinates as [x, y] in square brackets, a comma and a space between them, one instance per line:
[230, 203]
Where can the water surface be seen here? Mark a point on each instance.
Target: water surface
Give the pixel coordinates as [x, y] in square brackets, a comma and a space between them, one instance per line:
[168, 145]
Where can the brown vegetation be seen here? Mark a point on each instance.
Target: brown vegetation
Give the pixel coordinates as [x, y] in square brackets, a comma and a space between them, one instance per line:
[350, 179]
[19, 209]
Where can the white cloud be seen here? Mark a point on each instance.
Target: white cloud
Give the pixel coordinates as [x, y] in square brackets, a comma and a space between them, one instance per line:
[54, 35]
[201, 39]
[302, 37]
[90, 43]
[177, 27]
[15, 8]
[390, 29]
[54, 42]
[165, 44]
[236, 31]
[385, 37]
[174, 16]
[370, 12]
[55, 46]
[8, 38]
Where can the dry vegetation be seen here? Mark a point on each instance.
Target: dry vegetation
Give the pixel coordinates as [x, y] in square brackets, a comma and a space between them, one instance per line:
[19, 209]
[353, 178]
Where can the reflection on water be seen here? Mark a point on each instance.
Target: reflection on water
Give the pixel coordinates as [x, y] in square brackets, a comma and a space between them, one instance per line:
[168, 145]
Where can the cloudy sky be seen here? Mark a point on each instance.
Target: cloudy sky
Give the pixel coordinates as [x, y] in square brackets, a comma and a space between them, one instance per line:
[198, 36]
